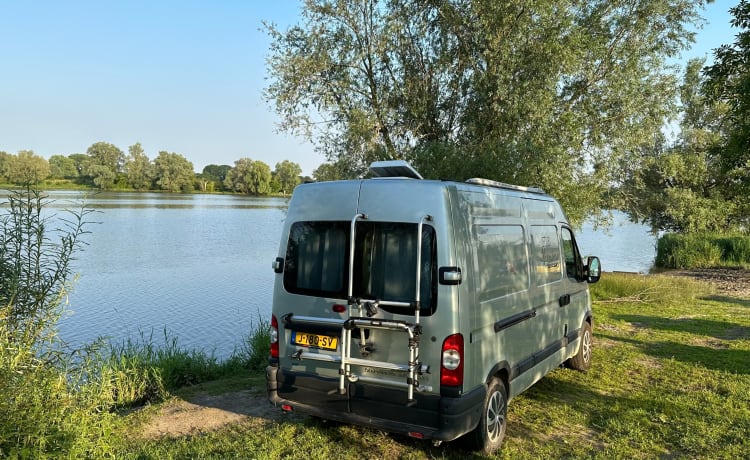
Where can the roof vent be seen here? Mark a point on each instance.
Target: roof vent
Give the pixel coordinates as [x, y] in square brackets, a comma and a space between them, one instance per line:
[394, 168]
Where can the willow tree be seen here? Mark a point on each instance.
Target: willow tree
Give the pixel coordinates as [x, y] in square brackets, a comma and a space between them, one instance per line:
[536, 92]
[728, 82]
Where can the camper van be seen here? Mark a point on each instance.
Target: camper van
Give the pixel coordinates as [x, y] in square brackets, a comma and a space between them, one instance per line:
[423, 307]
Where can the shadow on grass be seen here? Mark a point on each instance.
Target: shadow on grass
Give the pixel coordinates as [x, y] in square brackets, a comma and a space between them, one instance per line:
[719, 329]
[645, 419]
[720, 359]
[725, 299]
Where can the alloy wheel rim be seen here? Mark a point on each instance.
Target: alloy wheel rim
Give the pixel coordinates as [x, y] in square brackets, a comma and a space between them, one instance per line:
[495, 416]
[586, 346]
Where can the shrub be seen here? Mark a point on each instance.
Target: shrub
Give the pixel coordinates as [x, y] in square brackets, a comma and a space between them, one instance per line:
[53, 403]
[700, 250]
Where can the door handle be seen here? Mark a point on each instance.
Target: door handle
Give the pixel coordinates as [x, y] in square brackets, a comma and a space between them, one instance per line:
[564, 300]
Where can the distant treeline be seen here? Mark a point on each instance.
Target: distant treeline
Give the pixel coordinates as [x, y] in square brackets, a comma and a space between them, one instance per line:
[104, 166]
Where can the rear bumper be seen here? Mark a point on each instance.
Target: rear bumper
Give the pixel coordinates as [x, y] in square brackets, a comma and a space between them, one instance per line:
[433, 416]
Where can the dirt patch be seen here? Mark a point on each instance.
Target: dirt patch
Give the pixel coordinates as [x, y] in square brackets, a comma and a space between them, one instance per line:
[727, 281]
[205, 413]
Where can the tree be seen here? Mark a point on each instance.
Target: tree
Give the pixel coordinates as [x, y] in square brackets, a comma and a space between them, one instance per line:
[681, 187]
[213, 177]
[138, 168]
[5, 160]
[248, 176]
[81, 162]
[532, 92]
[728, 82]
[174, 172]
[62, 167]
[27, 168]
[105, 162]
[327, 172]
[287, 174]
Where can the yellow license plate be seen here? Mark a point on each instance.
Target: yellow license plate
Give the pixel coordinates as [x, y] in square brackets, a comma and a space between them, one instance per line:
[315, 341]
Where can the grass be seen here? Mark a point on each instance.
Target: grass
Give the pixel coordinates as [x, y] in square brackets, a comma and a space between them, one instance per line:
[698, 250]
[670, 379]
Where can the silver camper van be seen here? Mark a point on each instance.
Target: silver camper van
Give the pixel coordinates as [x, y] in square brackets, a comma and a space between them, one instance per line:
[422, 307]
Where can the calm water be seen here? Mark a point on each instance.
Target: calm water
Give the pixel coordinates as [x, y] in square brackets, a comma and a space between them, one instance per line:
[199, 266]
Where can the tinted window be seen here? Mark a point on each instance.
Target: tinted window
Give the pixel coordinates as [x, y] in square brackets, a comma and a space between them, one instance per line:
[546, 254]
[316, 259]
[573, 264]
[502, 260]
[385, 262]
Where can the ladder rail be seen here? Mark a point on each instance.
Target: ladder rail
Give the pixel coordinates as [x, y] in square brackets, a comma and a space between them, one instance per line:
[413, 330]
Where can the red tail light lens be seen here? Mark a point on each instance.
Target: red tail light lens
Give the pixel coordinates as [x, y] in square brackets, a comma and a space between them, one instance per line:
[274, 337]
[452, 362]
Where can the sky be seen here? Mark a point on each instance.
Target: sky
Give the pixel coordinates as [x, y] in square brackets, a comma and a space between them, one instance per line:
[183, 76]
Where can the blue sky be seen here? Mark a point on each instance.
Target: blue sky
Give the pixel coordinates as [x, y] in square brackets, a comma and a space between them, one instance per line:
[183, 76]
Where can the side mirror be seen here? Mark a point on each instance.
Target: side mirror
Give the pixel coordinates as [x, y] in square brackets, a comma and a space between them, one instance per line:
[593, 269]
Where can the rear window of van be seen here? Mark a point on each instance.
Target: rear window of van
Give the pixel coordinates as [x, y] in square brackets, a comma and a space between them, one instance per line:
[385, 262]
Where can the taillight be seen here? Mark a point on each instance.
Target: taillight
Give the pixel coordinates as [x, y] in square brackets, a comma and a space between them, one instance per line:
[452, 362]
[274, 337]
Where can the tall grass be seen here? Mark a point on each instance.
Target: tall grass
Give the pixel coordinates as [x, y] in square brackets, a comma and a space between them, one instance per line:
[692, 250]
[651, 289]
[146, 370]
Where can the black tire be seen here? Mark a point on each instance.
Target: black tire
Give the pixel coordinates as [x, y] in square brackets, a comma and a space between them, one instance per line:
[489, 434]
[582, 360]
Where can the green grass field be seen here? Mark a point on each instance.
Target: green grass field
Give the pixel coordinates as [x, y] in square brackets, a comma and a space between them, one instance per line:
[670, 379]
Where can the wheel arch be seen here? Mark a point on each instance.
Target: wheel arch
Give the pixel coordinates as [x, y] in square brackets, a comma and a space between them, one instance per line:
[502, 372]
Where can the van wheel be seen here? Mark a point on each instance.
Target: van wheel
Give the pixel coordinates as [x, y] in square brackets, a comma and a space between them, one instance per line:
[488, 435]
[582, 360]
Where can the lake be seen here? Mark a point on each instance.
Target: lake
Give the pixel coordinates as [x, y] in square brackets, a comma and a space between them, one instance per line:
[199, 266]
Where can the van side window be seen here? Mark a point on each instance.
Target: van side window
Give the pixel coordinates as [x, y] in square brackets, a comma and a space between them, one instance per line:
[546, 254]
[502, 261]
[573, 263]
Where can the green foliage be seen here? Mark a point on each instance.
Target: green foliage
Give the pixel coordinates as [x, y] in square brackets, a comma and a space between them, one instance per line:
[213, 176]
[139, 169]
[729, 82]
[702, 250]
[174, 172]
[105, 161]
[52, 401]
[256, 347]
[250, 177]
[287, 174]
[26, 168]
[536, 93]
[62, 167]
[327, 172]
[651, 289]
[682, 188]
